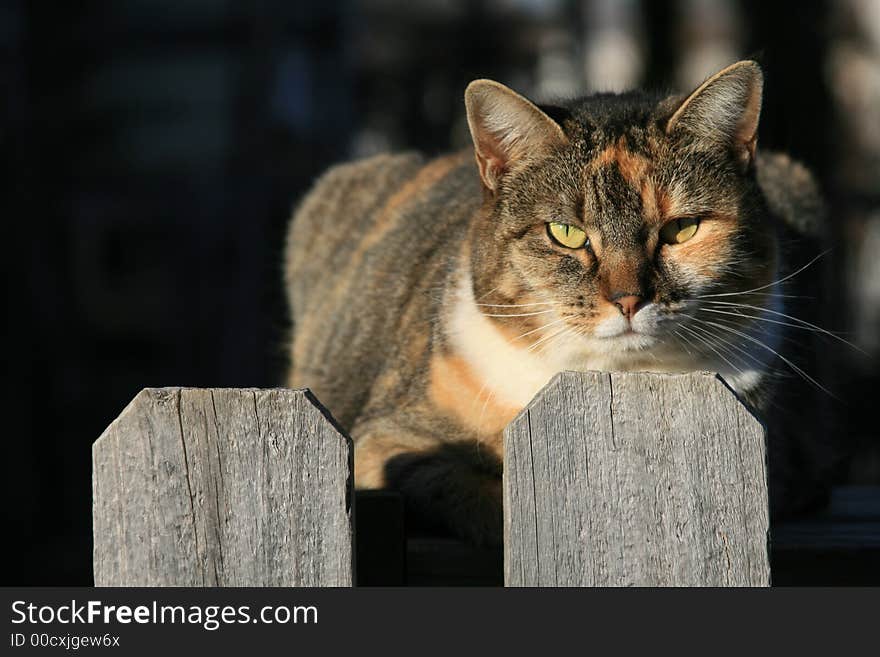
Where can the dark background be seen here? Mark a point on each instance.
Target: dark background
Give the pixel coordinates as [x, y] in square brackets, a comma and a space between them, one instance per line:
[153, 150]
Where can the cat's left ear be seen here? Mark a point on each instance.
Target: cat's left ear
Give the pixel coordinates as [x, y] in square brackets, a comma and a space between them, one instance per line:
[506, 129]
[724, 110]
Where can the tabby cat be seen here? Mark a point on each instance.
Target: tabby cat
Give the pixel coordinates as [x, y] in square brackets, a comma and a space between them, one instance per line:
[431, 299]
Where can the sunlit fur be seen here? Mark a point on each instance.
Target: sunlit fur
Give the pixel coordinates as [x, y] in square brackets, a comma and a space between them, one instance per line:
[430, 304]
[733, 249]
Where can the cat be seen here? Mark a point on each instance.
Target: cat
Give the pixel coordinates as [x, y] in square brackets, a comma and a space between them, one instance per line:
[431, 299]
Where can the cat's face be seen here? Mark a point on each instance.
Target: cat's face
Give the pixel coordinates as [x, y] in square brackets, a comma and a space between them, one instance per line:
[604, 230]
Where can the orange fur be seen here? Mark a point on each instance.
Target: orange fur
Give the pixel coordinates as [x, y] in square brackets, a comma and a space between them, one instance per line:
[637, 170]
[456, 390]
[633, 167]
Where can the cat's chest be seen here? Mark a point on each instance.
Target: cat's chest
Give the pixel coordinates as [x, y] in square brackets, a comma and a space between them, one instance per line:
[509, 372]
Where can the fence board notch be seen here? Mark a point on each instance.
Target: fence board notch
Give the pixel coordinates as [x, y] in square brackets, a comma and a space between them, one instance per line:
[641, 479]
[222, 487]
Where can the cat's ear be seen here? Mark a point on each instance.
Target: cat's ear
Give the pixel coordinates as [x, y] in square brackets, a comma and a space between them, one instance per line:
[506, 128]
[724, 110]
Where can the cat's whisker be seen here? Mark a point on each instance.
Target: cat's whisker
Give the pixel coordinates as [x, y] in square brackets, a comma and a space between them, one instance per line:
[516, 305]
[758, 319]
[483, 412]
[540, 312]
[684, 341]
[801, 324]
[540, 328]
[747, 358]
[687, 341]
[483, 296]
[559, 335]
[717, 349]
[691, 330]
[726, 347]
[652, 355]
[773, 351]
[545, 338]
[774, 295]
[758, 329]
[754, 329]
[764, 287]
[730, 344]
[479, 394]
[533, 347]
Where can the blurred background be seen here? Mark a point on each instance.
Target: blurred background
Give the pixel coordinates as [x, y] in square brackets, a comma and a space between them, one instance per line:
[153, 150]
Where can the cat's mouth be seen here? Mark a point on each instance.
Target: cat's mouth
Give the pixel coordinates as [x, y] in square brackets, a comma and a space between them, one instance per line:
[628, 338]
[621, 333]
[643, 324]
[643, 331]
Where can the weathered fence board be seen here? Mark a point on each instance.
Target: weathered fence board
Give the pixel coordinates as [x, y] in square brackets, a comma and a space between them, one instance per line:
[635, 479]
[223, 487]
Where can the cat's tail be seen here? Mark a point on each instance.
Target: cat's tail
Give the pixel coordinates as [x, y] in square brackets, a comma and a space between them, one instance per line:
[792, 193]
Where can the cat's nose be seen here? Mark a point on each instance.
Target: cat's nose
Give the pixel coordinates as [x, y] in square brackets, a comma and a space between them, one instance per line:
[628, 305]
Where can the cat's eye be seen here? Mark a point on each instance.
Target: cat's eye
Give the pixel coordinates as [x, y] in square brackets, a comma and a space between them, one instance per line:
[679, 230]
[567, 235]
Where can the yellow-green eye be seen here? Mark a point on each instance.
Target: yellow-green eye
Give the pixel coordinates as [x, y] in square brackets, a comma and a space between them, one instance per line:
[568, 236]
[679, 230]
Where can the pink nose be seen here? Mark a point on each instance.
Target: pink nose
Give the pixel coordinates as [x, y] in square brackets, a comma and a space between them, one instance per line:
[628, 305]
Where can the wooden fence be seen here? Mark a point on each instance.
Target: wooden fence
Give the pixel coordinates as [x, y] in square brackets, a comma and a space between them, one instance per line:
[610, 479]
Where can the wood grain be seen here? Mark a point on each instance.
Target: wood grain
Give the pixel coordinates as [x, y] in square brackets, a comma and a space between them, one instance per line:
[635, 480]
[222, 487]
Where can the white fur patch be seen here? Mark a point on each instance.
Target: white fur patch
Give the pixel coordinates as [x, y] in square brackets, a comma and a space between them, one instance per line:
[514, 374]
[510, 372]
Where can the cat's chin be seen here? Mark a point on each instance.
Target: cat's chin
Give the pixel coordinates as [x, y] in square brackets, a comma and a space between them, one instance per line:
[629, 340]
[617, 334]
[627, 353]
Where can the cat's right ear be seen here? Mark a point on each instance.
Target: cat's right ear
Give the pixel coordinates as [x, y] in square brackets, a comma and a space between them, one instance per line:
[506, 129]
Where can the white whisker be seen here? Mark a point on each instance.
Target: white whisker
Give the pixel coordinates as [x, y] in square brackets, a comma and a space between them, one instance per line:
[483, 411]
[540, 328]
[758, 329]
[540, 312]
[546, 337]
[483, 296]
[802, 324]
[515, 305]
[773, 351]
[684, 341]
[764, 287]
[691, 330]
[731, 345]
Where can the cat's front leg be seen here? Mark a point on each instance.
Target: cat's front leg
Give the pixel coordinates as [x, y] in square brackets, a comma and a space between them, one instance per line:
[455, 486]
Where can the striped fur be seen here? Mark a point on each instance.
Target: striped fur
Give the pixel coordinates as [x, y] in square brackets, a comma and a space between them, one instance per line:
[429, 303]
